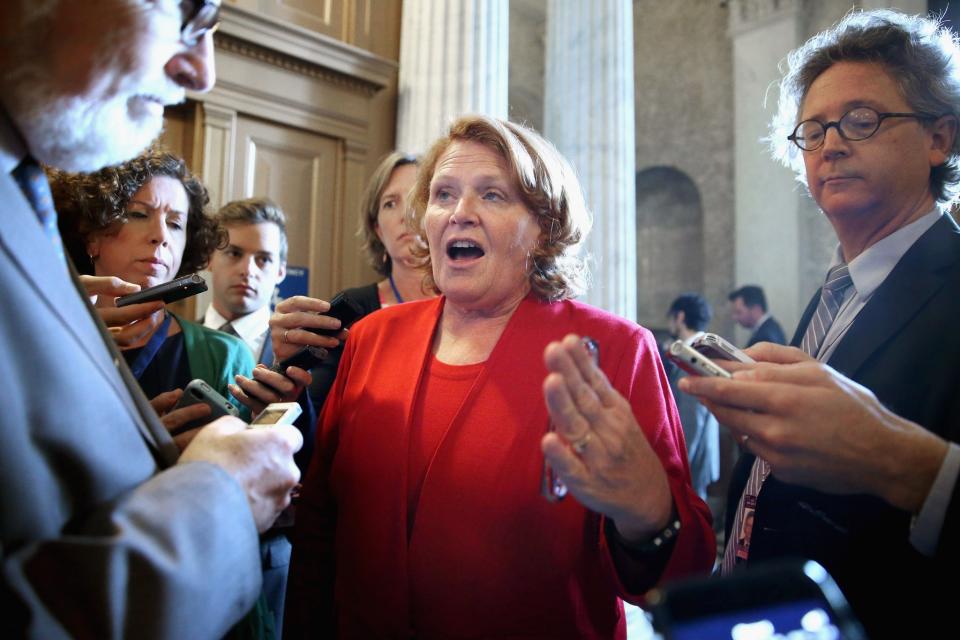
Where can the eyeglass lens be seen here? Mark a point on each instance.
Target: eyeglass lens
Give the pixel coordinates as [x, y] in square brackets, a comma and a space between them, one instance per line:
[856, 124]
[198, 18]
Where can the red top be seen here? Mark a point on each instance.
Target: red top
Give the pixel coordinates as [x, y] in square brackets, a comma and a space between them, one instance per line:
[487, 556]
[443, 390]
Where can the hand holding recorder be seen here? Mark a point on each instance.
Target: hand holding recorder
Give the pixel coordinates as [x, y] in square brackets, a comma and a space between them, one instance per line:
[302, 329]
[131, 326]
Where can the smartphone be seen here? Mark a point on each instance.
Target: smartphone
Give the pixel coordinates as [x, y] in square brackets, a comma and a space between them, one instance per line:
[277, 413]
[717, 348]
[198, 391]
[785, 599]
[172, 291]
[343, 309]
[694, 362]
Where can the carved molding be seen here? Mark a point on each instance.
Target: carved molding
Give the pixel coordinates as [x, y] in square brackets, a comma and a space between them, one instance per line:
[746, 15]
[295, 65]
[301, 49]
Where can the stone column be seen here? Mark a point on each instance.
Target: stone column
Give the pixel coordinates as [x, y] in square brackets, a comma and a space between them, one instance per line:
[589, 116]
[453, 60]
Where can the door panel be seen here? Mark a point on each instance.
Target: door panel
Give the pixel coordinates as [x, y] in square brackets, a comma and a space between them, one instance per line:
[301, 172]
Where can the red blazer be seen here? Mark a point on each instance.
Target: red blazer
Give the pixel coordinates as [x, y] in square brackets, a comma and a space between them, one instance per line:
[488, 556]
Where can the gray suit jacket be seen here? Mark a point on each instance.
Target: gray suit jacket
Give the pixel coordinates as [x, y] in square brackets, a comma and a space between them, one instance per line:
[101, 536]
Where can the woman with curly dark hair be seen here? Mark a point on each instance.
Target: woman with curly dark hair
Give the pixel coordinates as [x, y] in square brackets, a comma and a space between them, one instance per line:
[144, 222]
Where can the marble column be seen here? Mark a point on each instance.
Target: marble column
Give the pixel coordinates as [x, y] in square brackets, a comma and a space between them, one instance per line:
[453, 60]
[589, 116]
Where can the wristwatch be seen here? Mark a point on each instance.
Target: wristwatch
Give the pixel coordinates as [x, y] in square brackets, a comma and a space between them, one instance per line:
[664, 538]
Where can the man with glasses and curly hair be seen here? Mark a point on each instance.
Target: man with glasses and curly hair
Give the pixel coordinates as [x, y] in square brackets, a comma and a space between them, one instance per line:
[107, 529]
[868, 119]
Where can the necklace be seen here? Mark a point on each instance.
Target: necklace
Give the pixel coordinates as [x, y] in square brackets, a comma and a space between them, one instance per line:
[396, 292]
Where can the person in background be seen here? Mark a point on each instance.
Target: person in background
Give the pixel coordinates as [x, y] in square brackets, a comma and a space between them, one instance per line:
[868, 119]
[107, 528]
[144, 221]
[748, 307]
[422, 500]
[688, 316]
[389, 242]
[247, 271]
[245, 274]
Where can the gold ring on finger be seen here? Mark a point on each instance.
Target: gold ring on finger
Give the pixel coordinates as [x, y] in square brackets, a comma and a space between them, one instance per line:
[580, 444]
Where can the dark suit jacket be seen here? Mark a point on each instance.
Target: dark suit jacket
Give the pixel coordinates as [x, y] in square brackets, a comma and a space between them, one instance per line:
[769, 331]
[903, 346]
[100, 536]
[266, 351]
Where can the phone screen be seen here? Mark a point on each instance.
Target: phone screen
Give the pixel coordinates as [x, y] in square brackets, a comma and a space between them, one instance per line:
[801, 620]
[270, 416]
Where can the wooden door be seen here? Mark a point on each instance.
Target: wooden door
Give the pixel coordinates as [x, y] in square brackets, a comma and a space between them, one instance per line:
[300, 171]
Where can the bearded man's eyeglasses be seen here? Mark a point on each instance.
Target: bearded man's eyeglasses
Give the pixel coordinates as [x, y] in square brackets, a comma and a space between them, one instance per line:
[198, 17]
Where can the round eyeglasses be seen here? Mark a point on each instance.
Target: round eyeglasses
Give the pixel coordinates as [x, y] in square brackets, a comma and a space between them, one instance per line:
[857, 124]
[197, 18]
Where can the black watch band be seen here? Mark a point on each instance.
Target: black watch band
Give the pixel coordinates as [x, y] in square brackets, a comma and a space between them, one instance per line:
[665, 537]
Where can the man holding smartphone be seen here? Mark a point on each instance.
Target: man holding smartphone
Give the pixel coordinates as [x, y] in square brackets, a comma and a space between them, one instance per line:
[868, 119]
[107, 530]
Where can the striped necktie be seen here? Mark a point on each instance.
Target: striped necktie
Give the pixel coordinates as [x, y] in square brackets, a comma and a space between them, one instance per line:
[32, 181]
[831, 297]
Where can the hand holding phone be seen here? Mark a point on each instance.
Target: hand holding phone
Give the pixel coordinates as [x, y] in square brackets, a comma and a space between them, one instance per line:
[717, 348]
[694, 362]
[277, 413]
[178, 289]
[198, 391]
[343, 309]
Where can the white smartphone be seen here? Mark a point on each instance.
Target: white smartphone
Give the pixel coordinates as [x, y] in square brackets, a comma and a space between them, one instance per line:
[717, 348]
[694, 362]
[277, 413]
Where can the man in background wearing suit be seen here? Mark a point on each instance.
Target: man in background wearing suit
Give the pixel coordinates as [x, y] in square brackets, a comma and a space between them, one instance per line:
[107, 529]
[868, 119]
[748, 307]
[247, 271]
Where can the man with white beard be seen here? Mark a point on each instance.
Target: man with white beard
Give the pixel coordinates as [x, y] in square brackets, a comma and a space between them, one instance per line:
[108, 530]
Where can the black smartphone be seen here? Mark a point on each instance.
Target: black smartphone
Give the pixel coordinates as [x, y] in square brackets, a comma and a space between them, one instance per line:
[199, 392]
[178, 289]
[342, 308]
[784, 599]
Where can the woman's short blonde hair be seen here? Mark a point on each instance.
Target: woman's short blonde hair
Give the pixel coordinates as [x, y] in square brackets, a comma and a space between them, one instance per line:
[549, 189]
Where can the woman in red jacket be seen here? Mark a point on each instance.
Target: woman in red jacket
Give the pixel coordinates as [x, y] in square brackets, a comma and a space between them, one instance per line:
[421, 515]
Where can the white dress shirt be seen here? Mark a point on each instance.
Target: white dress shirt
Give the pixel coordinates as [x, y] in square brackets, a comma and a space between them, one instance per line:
[252, 328]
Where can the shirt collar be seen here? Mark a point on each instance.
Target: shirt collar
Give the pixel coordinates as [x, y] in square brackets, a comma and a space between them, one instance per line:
[869, 269]
[249, 327]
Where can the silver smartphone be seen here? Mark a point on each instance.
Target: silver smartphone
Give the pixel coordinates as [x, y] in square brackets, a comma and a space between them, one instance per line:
[694, 362]
[717, 348]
